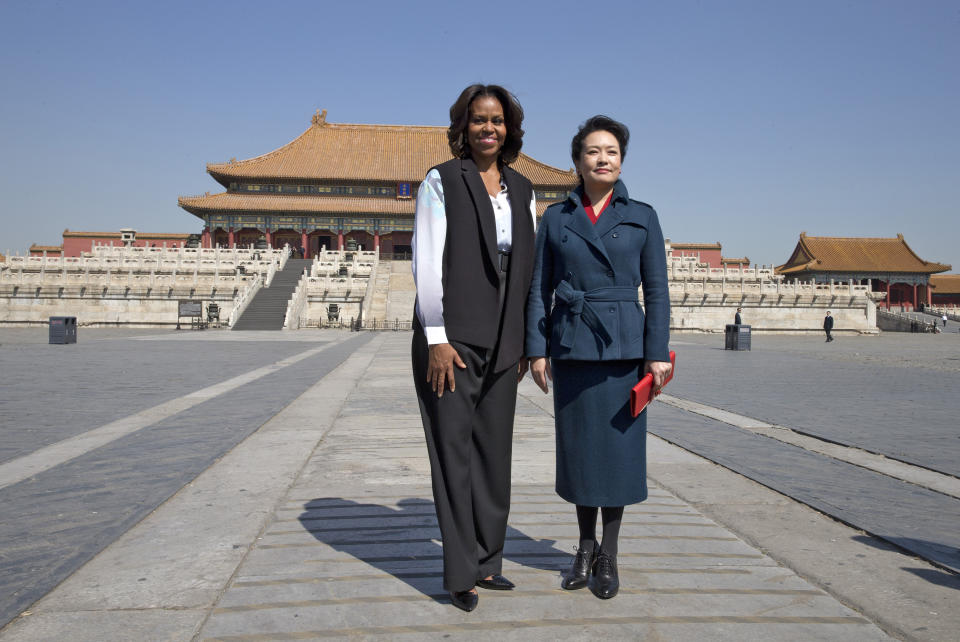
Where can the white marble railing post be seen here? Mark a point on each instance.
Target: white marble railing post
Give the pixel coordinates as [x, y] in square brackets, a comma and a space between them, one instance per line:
[294, 316]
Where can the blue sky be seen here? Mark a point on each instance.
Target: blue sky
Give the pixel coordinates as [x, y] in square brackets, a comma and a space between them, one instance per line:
[751, 121]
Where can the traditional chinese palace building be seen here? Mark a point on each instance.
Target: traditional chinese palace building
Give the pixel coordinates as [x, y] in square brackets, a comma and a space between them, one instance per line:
[946, 289]
[337, 182]
[888, 264]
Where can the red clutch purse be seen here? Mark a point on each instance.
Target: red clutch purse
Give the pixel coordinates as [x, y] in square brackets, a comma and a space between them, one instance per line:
[642, 393]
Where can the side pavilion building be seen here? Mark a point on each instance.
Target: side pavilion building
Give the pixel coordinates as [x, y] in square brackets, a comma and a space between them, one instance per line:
[338, 182]
[887, 264]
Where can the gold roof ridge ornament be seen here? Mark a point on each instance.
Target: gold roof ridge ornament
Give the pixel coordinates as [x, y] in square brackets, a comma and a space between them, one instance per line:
[319, 118]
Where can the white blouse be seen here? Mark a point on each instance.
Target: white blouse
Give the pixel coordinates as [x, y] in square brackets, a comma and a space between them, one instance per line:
[429, 241]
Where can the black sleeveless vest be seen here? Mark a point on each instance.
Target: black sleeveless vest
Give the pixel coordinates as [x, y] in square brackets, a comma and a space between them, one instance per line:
[470, 261]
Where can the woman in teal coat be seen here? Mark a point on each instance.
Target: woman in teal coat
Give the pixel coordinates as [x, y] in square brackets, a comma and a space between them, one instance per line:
[587, 331]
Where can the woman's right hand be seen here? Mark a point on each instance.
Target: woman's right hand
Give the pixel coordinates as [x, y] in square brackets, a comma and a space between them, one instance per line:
[540, 370]
[440, 362]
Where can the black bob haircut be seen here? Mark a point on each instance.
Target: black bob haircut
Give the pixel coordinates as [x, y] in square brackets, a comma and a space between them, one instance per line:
[597, 124]
[460, 118]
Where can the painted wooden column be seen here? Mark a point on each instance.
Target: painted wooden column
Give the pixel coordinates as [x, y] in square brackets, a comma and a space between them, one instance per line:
[888, 295]
[929, 294]
[915, 296]
[340, 240]
[269, 238]
[230, 240]
[205, 241]
[376, 241]
[303, 244]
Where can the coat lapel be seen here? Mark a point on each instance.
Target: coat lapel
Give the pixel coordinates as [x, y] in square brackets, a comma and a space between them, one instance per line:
[610, 218]
[483, 208]
[579, 223]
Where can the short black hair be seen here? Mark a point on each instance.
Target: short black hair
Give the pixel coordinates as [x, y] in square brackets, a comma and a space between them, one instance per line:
[596, 124]
[460, 118]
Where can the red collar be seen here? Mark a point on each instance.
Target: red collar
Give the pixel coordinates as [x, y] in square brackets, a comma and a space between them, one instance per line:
[588, 207]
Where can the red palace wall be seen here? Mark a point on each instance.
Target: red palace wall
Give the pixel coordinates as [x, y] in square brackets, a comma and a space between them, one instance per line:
[711, 257]
[76, 245]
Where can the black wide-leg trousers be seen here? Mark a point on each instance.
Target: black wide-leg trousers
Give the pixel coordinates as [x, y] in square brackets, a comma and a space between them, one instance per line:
[469, 439]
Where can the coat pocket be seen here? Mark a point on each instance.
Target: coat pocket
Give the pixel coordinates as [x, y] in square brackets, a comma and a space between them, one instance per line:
[632, 321]
[561, 319]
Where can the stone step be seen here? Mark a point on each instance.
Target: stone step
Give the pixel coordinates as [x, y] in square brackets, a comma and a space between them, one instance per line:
[269, 306]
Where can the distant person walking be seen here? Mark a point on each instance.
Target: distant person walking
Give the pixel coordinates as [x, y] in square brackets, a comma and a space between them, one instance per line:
[944, 317]
[828, 326]
[736, 318]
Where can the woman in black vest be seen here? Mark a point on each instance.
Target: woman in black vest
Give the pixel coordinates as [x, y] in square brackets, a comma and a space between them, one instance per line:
[588, 332]
[472, 264]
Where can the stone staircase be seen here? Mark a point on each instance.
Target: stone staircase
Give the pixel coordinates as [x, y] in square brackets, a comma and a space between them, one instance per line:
[392, 293]
[269, 305]
[403, 292]
[376, 305]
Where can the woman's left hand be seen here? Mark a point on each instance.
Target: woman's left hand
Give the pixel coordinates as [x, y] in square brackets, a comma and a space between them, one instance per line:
[660, 371]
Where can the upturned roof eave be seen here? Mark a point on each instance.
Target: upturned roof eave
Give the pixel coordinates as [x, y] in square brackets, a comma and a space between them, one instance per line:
[796, 269]
[224, 173]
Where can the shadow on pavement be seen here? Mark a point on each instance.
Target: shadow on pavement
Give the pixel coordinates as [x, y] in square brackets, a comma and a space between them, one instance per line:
[940, 554]
[390, 539]
[936, 576]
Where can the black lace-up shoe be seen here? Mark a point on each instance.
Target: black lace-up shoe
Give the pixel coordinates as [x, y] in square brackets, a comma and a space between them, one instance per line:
[604, 581]
[582, 566]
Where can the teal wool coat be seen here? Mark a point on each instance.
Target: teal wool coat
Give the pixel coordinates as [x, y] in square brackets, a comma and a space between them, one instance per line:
[583, 302]
[583, 312]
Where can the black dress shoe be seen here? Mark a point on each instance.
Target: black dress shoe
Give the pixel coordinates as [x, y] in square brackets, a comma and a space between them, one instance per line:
[604, 582]
[464, 600]
[582, 566]
[496, 583]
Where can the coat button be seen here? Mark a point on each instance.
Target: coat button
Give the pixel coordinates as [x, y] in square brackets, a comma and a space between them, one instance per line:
[610, 273]
[616, 235]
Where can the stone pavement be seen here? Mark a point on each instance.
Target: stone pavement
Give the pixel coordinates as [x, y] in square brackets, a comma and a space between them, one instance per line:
[893, 395]
[62, 502]
[319, 523]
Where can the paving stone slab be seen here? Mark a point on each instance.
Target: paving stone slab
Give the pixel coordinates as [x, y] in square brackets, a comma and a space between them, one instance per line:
[894, 394]
[919, 520]
[56, 521]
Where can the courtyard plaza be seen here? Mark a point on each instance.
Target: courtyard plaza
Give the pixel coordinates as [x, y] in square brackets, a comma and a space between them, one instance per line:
[217, 485]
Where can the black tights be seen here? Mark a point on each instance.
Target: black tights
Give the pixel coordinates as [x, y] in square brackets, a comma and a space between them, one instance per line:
[587, 520]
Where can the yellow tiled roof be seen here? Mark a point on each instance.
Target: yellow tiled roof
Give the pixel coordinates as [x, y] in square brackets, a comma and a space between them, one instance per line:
[347, 152]
[945, 283]
[856, 254]
[303, 204]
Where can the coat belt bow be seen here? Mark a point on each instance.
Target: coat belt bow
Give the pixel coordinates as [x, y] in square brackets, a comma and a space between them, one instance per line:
[580, 305]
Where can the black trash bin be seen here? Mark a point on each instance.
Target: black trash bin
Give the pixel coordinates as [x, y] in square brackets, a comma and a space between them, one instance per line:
[63, 329]
[737, 337]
